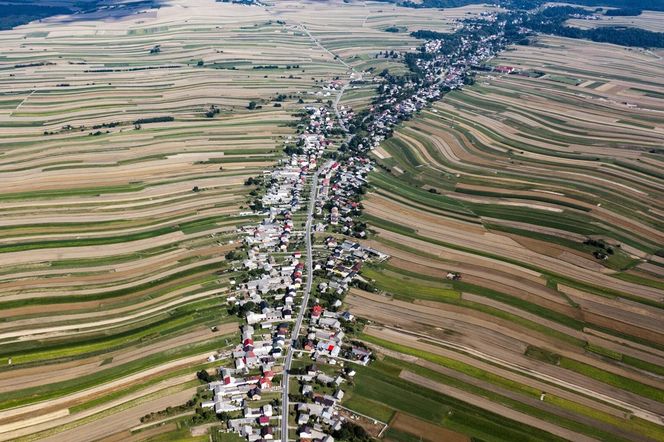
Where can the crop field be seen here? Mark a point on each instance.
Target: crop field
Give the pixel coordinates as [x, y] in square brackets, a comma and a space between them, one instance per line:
[126, 143]
[650, 20]
[356, 31]
[126, 147]
[544, 193]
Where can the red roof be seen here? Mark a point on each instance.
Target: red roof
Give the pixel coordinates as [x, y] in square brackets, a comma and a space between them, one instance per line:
[503, 68]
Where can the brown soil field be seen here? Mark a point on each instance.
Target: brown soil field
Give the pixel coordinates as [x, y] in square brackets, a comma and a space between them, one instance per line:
[493, 336]
[425, 430]
[533, 373]
[28, 377]
[122, 420]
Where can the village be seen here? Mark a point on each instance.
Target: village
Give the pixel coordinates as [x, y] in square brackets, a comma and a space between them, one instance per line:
[281, 324]
[287, 334]
[441, 65]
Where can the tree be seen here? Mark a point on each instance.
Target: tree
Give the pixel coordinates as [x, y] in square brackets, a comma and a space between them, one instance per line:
[351, 432]
[204, 376]
[252, 105]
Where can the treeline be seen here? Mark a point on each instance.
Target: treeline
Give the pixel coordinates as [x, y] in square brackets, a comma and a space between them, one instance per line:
[12, 15]
[652, 5]
[615, 35]
[426, 34]
[549, 20]
[153, 120]
[552, 21]
[20, 12]
[624, 12]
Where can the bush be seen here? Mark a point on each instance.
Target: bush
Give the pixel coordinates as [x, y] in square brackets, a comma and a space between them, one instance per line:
[153, 120]
[204, 376]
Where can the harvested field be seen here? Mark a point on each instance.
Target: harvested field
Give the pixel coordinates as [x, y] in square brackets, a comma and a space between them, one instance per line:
[542, 193]
[425, 430]
[125, 151]
[126, 148]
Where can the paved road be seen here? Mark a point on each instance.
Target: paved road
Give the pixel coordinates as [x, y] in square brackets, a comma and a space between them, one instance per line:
[309, 253]
[303, 308]
[336, 106]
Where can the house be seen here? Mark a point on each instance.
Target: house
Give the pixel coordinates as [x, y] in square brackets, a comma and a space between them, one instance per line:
[325, 401]
[254, 394]
[223, 406]
[265, 383]
[360, 352]
[324, 379]
[255, 318]
[303, 418]
[267, 433]
[263, 420]
[251, 412]
[306, 432]
[246, 430]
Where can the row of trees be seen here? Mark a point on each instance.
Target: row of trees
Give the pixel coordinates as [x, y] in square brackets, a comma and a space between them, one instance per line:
[552, 21]
[653, 5]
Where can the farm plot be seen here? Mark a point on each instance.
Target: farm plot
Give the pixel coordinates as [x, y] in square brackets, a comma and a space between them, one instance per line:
[527, 202]
[125, 151]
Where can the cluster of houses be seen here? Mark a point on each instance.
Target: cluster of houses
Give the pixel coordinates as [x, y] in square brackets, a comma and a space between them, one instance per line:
[320, 390]
[267, 297]
[318, 414]
[443, 66]
[338, 264]
[340, 191]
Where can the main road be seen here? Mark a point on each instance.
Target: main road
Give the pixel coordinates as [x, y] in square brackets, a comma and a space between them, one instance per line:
[303, 308]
